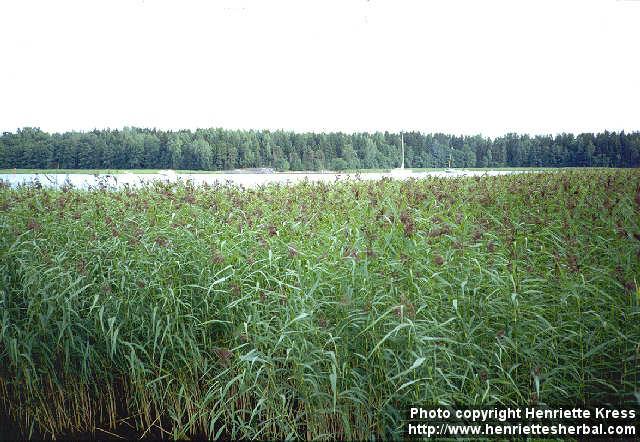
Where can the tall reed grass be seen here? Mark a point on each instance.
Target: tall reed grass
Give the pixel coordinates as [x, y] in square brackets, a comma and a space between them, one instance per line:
[319, 310]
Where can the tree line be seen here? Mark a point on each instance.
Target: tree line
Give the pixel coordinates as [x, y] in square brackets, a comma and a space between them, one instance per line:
[221, 149]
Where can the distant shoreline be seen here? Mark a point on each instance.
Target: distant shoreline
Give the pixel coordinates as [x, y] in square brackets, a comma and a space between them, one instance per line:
[253, 171]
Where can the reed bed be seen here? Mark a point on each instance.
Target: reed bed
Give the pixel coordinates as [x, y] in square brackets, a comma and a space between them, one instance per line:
[316, 311]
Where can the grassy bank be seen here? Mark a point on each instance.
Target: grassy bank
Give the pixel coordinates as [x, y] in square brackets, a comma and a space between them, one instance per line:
[318, 310]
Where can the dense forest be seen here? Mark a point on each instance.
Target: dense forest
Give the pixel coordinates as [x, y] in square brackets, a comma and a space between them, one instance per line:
[220, 149]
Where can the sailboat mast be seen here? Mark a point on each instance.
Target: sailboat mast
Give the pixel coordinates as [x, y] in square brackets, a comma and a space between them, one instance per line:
[402, 144]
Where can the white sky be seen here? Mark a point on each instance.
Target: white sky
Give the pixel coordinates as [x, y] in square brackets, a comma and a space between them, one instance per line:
[476, 66]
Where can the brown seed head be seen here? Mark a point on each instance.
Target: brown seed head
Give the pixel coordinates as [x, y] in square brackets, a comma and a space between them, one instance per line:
[223, 354]
[32, 224]
[217, 257]
[292, 251]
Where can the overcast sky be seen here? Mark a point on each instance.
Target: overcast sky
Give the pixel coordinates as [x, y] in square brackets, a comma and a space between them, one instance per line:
[456, 66]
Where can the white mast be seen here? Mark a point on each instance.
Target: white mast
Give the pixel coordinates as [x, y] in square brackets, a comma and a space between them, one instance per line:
[401, 172]
[402, 144]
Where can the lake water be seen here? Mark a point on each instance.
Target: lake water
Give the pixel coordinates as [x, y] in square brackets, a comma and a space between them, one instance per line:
[85, 181]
